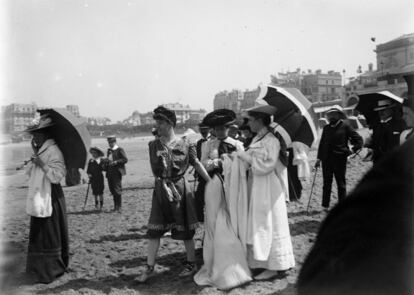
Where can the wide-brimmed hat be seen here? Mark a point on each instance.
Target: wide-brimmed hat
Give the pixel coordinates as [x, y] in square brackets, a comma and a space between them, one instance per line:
[220, 117]
[162, 113]
[264, 109]
[383, 104]
[43, 122]
[97, 150]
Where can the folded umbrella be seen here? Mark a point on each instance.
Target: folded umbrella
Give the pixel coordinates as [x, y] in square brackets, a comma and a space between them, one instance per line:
[71, 136]
[295, 119]
[368, 102]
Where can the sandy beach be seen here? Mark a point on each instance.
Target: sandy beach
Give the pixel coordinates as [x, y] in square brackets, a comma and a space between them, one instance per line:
[108, 249]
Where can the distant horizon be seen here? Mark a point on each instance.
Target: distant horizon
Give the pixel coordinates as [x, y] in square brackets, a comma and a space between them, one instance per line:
[112, 58]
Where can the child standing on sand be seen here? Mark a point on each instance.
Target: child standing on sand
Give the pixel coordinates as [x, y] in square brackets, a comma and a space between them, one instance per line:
[96, 179]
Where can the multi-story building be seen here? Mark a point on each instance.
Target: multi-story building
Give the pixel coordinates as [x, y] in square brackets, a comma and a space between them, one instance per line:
[99, 121]
[133, 120]
[74, 109]
[184, 112]
[17, 116]
[235, 100]
[288, 79]
[393, 58]
[249, 98]
[221, 100]
[320, 87]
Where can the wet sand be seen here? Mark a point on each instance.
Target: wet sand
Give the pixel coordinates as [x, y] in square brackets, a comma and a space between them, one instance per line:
[108, 249]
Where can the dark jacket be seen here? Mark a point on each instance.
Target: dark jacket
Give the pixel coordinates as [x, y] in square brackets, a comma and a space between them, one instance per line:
[386, 137]
[334, 140]
[119, 159]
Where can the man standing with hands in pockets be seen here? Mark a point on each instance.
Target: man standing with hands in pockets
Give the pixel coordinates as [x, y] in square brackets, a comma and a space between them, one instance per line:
[115, 170]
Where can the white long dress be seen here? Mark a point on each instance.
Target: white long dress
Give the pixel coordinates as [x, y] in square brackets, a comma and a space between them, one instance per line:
[268, 235]
[224, 251]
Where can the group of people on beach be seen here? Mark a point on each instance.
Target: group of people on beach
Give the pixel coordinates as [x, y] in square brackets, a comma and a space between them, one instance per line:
[241, 196]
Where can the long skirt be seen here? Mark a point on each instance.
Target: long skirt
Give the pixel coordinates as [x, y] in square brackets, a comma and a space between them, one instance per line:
[48, 254]
[225, 265]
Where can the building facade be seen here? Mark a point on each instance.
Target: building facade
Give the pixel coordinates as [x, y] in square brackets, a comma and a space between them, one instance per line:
[74, 109]
[393, 58]
[320, 87]
[236, 100]
[17, 117]
[183, 114]
[98, 121]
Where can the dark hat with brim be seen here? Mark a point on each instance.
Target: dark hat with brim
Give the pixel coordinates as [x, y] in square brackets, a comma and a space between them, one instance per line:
[264, 109]
[220, 117]
[97, 150]
[335, 109]
[383, 104]
[111, 138]
[164, 114]
[43, 123]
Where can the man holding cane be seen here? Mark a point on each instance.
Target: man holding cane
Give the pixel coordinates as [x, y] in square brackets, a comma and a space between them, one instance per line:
[333, 152]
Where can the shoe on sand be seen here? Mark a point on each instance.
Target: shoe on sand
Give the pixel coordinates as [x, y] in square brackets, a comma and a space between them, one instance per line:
[190, 268]
[146, 274]
[266, 275]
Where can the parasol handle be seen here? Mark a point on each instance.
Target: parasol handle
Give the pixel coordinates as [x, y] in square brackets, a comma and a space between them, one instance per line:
[24, 164]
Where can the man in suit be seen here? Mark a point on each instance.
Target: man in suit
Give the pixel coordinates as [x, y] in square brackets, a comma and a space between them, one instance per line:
[386, 133]
[115, 170]
[333, 152]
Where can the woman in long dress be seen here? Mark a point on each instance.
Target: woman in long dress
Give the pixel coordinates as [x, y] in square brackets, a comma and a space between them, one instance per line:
[48, 253]
[268, 235]
[225, 265]
[173, 204]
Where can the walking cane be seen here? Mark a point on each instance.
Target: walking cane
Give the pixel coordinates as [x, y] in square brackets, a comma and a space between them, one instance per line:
[313, 184]
[86, 197]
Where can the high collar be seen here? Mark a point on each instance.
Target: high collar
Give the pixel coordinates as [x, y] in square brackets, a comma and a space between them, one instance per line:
[115, 147]
[49, 142]
[262, 132]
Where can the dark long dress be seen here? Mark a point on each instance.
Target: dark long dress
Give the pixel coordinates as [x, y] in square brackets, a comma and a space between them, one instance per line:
[97, 179]
[48, 254]
[169, 163]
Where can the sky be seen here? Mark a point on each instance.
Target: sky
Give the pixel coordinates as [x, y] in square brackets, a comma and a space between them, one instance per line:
[114, 57]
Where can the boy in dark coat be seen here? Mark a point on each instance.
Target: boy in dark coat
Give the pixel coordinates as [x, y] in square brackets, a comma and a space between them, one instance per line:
[95, 173]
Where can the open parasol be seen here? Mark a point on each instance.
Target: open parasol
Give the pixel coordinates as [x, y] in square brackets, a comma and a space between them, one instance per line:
[295, 118]
[71, 136]
[367, 103]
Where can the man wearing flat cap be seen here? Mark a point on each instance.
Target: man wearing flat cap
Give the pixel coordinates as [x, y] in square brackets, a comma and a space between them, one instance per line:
[115, 170]
[386, 133]
[333, 152]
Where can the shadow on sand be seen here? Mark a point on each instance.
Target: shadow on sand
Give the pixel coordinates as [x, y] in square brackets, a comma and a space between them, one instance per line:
[303, 213]
[118, 238]
[304, 227]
